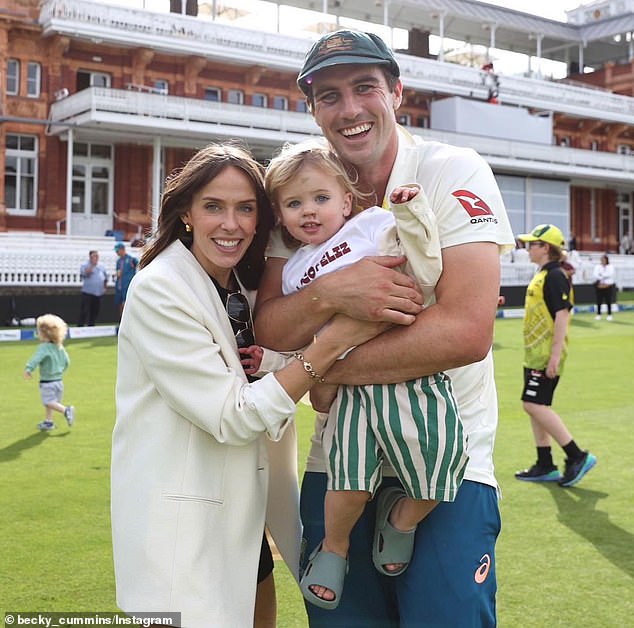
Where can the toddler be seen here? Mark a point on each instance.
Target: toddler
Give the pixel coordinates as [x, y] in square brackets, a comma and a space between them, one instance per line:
[52, 360]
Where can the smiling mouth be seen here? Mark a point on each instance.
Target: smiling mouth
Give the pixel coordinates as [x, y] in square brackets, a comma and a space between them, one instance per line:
[227, 244]
[356, 131]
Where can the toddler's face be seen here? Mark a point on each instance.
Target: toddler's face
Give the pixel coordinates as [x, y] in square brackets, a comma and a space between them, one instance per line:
[314, 205]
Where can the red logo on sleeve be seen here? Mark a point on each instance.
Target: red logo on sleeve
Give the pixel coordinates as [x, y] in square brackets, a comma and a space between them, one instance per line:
[473, 204]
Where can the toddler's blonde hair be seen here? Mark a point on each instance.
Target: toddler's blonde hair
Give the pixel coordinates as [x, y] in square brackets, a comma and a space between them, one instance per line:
[52, 328]
[289, 161]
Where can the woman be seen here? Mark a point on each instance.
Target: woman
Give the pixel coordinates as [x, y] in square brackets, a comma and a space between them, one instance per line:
[604, 286]
[189, 464]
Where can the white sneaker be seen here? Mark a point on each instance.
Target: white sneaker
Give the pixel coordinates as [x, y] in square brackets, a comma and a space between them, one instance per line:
[609, 318]
[597, 318]
[69, 415]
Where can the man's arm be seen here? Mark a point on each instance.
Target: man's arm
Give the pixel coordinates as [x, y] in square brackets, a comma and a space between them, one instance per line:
[366, 290]
[456, 330]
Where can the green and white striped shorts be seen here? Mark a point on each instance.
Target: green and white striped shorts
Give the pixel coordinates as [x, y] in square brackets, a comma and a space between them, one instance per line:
[413, 425]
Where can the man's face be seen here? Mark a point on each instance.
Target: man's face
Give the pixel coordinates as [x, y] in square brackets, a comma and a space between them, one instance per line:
[356, 112]
[94, 258]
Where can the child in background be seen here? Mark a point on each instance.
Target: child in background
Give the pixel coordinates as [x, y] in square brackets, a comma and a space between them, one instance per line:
[52, 360]
[313, 197]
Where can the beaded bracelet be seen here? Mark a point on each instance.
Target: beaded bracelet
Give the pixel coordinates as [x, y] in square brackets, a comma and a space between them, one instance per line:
[308, 367]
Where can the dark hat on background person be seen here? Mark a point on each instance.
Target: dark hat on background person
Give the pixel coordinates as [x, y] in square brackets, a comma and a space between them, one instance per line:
[118, 246]
[345, 47]
[544, 233]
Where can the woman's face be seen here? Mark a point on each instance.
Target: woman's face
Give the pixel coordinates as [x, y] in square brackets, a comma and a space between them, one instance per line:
[223, 217]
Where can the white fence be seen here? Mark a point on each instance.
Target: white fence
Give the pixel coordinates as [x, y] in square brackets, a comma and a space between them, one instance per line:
[47, 260]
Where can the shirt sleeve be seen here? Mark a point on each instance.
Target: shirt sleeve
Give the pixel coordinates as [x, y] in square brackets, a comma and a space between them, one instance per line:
[557, 291]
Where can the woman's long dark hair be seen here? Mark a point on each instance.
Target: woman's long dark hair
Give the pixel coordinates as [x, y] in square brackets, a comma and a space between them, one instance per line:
[181, 187]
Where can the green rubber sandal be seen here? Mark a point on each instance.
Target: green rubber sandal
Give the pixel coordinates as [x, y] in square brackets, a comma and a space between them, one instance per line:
[324, 569]
[390, 545]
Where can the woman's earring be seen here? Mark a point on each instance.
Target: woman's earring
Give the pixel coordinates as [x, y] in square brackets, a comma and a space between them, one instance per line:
[188, 227]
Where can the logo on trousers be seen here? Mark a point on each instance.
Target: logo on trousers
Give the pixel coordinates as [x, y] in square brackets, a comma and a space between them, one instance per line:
[482, 571]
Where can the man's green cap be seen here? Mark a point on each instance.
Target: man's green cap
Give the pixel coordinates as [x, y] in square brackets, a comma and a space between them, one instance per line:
[344, 47]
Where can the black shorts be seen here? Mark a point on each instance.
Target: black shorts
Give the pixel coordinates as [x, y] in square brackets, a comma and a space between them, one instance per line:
[538, 388]
[265, 568]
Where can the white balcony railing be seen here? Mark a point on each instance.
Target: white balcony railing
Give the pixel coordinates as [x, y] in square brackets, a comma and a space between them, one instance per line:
[174, 111]
[138, 112]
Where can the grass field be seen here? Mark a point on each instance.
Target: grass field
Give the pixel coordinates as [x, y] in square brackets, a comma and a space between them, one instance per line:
[565, 556]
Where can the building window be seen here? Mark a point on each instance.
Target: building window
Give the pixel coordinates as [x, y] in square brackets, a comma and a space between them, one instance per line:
[280, 102]
[623, 149]
[422, 122]
[33, 79]
[594, 145]
[405, 119]
[13, 77]
[161, 86]
[86, 79]
[301, 106]
[259, 100]
[235, 97]
[20, 173]
[213, 94]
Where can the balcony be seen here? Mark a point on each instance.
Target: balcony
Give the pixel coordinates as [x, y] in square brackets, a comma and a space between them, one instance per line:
[124, 116]
[169, 32]
[127, 115]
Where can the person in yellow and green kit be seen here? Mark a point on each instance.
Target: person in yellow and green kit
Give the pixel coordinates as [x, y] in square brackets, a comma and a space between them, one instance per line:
[547, 314]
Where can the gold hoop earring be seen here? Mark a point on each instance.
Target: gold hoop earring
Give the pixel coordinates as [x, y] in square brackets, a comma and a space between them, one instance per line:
[188, 227]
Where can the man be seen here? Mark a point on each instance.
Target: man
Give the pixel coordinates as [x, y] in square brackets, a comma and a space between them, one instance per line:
[546, 317]
[351, 81]
[126, 269]
[95, 280]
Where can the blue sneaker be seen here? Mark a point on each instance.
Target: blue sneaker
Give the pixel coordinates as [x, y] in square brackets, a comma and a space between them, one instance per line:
[69, 415]
[539, 474]
[575, 470]
[46, 426]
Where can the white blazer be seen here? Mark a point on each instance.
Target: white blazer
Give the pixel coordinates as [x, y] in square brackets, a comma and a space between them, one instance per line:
[189, 460]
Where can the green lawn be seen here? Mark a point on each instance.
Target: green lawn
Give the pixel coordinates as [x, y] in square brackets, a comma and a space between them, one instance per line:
[565, 556]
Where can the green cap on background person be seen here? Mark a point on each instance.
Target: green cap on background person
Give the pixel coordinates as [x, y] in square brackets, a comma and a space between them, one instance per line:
[118, 246]
[344, 47]
[544, 233]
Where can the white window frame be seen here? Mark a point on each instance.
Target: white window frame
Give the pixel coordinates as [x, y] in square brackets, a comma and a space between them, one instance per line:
[210, 90]
[263, 100]
[33, 82]
[161, 86]
[301, 106]
[235, 97]
[280, 103]
[13, 77]
[404, 119]
[21, 154]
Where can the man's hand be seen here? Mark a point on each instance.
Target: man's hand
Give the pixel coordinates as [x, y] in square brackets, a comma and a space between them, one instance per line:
[322, 396]
[372, 290]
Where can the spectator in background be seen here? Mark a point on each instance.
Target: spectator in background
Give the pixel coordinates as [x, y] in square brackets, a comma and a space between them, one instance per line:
[572, 243]
[625, 246]
[604, 285]
[126, 269]
[95, 280]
